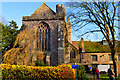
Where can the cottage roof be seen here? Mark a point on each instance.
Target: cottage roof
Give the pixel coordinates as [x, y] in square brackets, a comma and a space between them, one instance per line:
[95, 46]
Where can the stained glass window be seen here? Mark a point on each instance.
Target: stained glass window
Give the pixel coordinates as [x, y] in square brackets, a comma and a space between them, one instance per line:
[43, 34]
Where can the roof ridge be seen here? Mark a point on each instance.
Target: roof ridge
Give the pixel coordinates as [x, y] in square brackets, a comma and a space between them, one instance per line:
[41, 6]
[49, 8]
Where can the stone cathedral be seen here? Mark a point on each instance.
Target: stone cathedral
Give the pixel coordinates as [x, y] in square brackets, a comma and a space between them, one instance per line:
[52, 32]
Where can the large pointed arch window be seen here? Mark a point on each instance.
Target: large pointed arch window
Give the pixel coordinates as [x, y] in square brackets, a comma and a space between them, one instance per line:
[43, 37]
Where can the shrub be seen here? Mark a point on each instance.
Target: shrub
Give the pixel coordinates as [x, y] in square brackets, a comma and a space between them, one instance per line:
[35, 73]
[73, 60]
[66, 71]
[39, 63]
[81, 73]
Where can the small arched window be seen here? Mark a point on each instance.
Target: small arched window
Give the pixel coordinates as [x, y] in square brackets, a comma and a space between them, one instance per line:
[43, 37]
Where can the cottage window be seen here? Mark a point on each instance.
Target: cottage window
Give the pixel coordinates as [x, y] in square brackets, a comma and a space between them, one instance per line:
[72, 54]
[94, 57]
[110, 57]
[118, 56]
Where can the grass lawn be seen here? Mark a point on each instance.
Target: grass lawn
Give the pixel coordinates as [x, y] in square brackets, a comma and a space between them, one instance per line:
[105, 77]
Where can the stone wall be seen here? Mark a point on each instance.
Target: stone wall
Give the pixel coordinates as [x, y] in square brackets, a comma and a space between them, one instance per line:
[102, 58]
[54, 43]
[56, 22]
[67, 37]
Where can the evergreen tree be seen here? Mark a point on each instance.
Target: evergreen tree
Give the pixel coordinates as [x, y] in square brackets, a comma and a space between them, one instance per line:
[9, 34]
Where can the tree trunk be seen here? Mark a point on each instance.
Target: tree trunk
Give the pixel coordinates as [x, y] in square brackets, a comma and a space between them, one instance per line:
[115, 62]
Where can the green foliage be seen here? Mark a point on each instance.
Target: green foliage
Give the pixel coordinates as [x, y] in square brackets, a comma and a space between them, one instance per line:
[104, 75]
[81, 73]
[22, 72]
[9, 34]
[39, 63]
[0, 42]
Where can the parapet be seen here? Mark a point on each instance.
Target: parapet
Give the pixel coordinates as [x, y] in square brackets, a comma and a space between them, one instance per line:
[60, 11]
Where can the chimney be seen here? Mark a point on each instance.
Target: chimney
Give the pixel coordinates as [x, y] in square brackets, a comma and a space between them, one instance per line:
[82, 45]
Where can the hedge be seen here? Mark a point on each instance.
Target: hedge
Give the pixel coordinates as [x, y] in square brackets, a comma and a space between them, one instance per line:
[22, 72]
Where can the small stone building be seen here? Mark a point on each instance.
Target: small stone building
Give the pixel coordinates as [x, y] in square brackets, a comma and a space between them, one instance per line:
[50, 28]
[92, 59]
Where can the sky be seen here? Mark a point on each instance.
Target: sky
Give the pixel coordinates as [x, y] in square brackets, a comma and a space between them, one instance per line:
[15, 11]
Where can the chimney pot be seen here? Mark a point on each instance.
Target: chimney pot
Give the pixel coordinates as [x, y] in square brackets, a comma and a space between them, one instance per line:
[82, 45]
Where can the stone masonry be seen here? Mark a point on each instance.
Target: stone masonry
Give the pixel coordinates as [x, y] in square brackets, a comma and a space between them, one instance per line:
[56, 23]
[86, 58]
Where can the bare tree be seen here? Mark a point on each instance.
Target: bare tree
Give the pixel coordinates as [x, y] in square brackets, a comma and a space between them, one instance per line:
[103, 14]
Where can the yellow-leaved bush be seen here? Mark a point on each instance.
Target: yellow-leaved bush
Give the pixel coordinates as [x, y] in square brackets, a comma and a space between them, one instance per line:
[37, 73]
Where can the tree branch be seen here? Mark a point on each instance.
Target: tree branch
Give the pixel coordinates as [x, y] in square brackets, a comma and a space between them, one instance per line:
[89, 32]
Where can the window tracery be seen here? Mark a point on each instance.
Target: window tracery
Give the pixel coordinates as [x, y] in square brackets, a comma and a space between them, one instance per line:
[43, 37]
